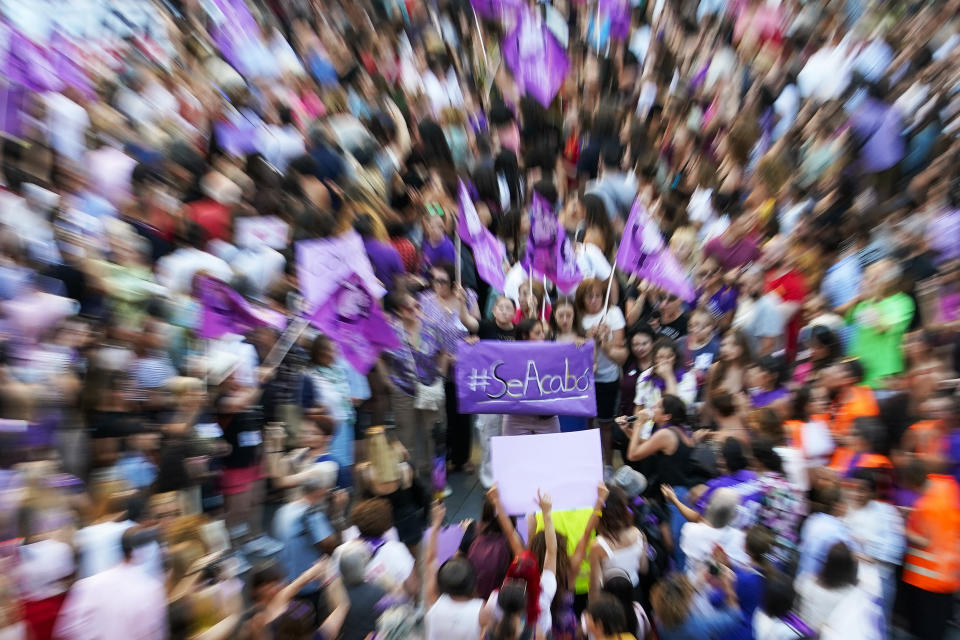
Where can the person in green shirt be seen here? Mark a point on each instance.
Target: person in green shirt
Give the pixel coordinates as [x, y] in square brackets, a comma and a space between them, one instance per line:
[880, 317]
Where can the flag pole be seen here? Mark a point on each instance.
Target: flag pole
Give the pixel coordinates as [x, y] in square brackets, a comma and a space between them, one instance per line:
[543, 306]
[606, 300]
[286, 341]
[483, 46]
[458, 266]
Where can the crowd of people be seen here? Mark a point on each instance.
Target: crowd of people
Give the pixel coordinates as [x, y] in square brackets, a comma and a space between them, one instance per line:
[781, 450]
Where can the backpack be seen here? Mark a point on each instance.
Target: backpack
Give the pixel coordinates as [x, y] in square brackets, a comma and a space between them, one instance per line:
[647, 517]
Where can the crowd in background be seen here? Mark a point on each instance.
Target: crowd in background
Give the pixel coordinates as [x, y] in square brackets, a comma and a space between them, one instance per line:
[781, 452]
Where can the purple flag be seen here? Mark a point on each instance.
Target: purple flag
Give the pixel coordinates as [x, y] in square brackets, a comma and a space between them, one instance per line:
[535, 378]
[488, 251]
[352, 317]
[234, 29]
[618, 13]
[643, 253]
[65, 58]
[27, 63]
[496, 9]
[323, 264]
[536, 58]
[226, 311]
[549, 251]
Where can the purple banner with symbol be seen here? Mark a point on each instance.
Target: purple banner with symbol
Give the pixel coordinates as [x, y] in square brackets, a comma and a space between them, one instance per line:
[643, 253]
[535, 378]
[536, 58]
[322, 264]
[352, 317]
[488, 251]
[226, 311]
[549, 251]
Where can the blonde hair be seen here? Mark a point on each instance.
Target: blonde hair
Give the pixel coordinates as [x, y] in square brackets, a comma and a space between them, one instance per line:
[180, 386]
[671, 599]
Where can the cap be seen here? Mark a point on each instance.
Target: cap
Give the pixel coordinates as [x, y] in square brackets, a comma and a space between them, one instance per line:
[631, 481]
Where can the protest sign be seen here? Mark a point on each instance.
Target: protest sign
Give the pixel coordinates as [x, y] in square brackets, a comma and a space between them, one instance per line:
[568, 466]
[258, 231]
[488, 251]
[535, 378]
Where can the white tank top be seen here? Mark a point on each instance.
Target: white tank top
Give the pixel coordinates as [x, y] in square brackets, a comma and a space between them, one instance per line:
[449, 619]
[626, 558]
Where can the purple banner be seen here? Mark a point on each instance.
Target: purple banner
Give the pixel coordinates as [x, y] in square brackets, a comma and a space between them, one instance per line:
[536, 58]
[353, 318]
[323, 264]
[488, 251]
[549, 251]
[643, 253]
[226, 311]
[535, 378]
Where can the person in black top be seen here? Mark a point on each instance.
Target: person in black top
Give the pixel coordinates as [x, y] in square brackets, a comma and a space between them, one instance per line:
[241, 420]
[501, 326]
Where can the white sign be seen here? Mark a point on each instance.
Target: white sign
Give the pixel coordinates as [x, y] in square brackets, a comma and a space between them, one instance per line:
[568, 466]
[258, 231]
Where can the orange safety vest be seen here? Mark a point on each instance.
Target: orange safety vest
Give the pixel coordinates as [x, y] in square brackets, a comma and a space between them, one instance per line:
[844, 460]
[859, 403]
[936, 517]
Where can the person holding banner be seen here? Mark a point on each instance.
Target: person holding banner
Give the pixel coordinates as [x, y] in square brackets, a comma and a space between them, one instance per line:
[414, 374]
[603, 324]
[524, 425]
[455, 313]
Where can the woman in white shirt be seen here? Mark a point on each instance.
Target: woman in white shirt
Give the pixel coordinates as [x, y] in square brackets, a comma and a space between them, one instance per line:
[666, 377]
[605, 326]
[619, 544]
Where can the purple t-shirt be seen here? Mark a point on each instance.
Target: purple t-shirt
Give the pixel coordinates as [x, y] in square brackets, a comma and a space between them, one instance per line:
[443, 252]
[735, 255]
[764, 398]
[385, 260]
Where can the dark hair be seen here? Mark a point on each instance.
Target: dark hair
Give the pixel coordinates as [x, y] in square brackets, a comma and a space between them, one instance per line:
[828, 340]
[434, 148]
[607, 612]
[363, 225]
[774, 365]
[512, 600]
[800, 407]
[615, 515]
[868, 476]
[547, 190]
[488, 517]
[778, 594]
[506, 163]
[870, 429]
[733, 455]
[839, 567]
[765, 455]
[675, 408]
[758, 543]
[457, 578]
[564, 301]
[622, 589]
[447, 268]
[525, 328]
[853, 368]
[722, 403]
[320, 342]
[267, 573]
[667, 343]
[612, 154]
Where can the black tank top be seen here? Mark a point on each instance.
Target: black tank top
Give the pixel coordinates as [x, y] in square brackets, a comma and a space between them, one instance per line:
[676, 468]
